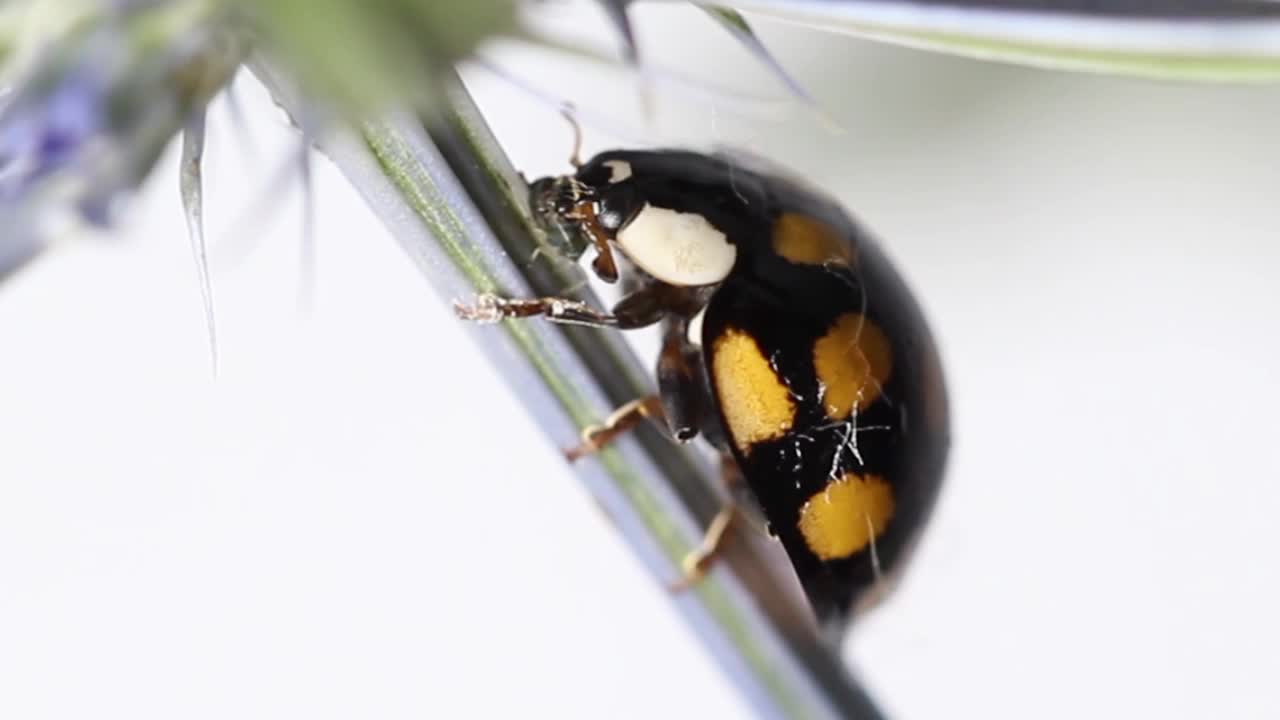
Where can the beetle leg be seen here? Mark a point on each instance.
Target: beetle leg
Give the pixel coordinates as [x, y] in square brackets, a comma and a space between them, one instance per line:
[677, 404]
[641, 308]
[489, 308]
[742, 506]
[605, 267]
[695, 565]
[623, 419]
[678, 383]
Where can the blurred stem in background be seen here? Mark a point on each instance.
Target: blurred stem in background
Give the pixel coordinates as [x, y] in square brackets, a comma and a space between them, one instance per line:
[94, 92]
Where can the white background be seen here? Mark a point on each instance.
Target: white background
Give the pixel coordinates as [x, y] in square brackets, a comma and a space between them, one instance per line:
[356, 520]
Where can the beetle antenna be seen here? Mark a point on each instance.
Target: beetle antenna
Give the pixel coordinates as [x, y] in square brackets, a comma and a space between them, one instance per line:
[575, 157]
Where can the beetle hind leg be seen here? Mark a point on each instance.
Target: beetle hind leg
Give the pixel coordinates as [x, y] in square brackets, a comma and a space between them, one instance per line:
[699, 561]
[742, 507]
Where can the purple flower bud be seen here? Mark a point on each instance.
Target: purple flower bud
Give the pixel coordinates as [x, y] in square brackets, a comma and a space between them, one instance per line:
[43, 131]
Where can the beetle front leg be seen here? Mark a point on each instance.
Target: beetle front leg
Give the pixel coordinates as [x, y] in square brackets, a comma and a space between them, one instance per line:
[605, 266]
[489, 308]
[641, 308]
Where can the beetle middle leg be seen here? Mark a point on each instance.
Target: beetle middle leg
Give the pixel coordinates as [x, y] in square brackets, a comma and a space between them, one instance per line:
[595, 437]
[678, 406]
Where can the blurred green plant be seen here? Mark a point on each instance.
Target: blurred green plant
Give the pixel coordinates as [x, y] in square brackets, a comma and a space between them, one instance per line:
[93, 92]
[1202, 40]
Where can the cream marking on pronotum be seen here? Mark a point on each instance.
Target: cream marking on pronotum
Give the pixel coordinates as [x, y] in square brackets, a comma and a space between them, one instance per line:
[677, 248]
[619, 170]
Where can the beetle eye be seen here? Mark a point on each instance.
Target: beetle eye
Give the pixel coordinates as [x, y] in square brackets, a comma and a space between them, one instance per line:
[542, 199]
[551, 199]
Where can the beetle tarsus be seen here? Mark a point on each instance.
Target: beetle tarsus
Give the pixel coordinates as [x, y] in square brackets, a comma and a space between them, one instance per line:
[596, 437]
[489, 308]
[699, 562]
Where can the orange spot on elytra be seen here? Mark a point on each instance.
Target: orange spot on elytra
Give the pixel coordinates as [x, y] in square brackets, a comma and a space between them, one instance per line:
[808, 241]
[756, 404]
[846, 516]
[853, 361]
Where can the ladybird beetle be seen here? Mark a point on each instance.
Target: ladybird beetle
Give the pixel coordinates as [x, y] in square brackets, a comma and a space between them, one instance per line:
[790, 343]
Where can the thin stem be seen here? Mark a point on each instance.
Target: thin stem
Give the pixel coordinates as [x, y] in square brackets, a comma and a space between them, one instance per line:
[190, 185]
[763, 599]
